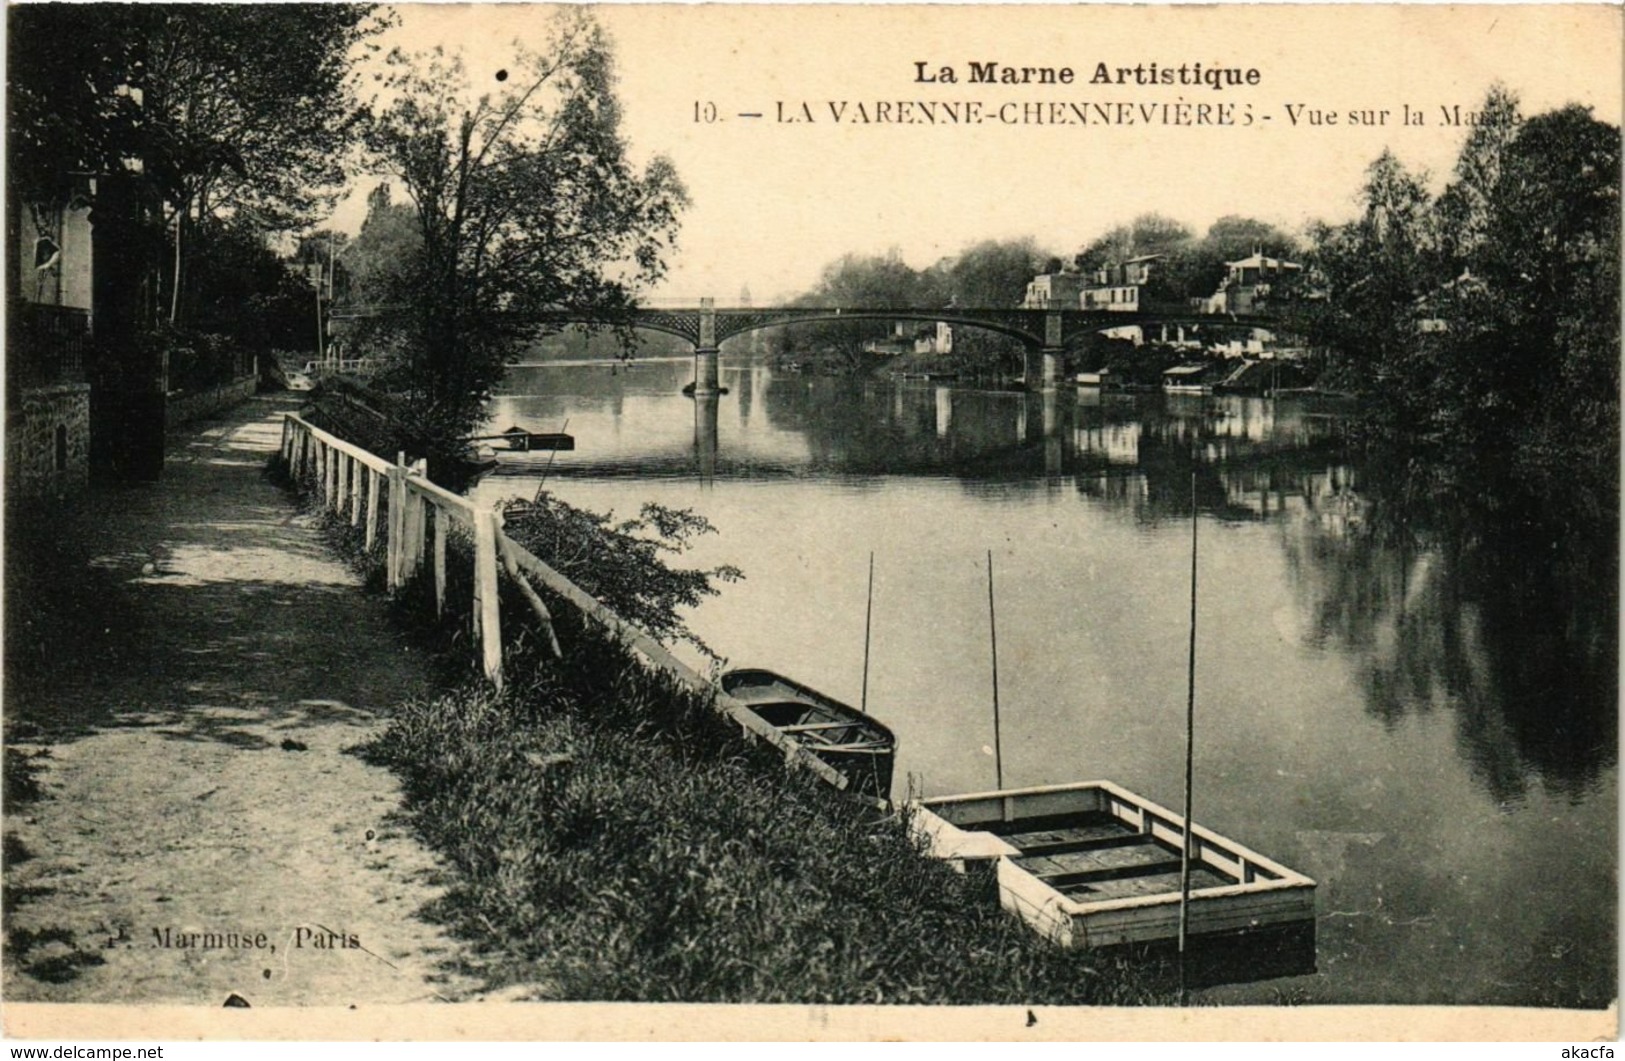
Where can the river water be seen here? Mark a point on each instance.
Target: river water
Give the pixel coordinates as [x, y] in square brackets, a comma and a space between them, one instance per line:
[1417, 712]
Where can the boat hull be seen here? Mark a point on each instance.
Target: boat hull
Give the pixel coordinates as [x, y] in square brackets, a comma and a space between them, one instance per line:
[1094, 865]
[858, 746]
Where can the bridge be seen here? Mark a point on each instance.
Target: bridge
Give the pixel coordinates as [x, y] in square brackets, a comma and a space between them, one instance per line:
[1043, 333]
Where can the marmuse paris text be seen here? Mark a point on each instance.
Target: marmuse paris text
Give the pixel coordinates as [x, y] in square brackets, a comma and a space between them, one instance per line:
[1214, 77]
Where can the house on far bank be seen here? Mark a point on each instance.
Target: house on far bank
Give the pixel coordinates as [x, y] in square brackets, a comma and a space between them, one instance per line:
[911, 337]
[1054, 291]
[1251, 283]
[1119, 287]
[1432, 309]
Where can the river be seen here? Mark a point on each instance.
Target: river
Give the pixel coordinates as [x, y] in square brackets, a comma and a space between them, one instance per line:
[1415, 711]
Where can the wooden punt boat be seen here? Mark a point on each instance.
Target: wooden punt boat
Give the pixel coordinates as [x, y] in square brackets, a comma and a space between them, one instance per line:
[857, 745]
[1094, 865]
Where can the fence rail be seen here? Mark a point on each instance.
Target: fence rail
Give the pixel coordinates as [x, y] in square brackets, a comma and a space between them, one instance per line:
[415, 517]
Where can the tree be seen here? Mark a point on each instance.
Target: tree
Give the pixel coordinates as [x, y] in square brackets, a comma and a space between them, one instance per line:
[994, 273]
[525, 200]
[70, 73]
[1373, 269]
[1465, 204]
[1146, 234]
[1551, 259]
[987, 275]
[1233, 237]
[248, 110]
[218, 110]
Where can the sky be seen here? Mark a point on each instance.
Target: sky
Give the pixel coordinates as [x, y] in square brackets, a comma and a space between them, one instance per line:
[774, 201]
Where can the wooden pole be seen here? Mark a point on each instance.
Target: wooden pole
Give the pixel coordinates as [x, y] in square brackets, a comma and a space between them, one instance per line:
[486, 589]
[440, 517]
[993, 636]
[1190, 758]
[357, 470]
[373, 479]
[868, 615]
[397, 502]
[541, 485]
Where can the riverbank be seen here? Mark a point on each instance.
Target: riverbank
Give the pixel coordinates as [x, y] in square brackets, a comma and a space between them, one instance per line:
[614, 839]
[186, 666]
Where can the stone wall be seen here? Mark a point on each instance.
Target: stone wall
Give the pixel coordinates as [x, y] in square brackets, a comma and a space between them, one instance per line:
[48, 441]
[186, 408]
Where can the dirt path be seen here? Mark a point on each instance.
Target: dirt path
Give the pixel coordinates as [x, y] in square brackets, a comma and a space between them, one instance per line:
[189, 661]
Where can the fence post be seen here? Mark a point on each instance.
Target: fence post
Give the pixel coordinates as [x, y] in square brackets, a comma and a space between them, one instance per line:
[392, 543]
[282, 450]
[357, 470]
[417, 509]
[440, 517]
[373, 479]
[487, 599]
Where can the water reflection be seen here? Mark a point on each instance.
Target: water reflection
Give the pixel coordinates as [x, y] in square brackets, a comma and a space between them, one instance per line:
[1491, 605]
[1407, 673]
[1485, 606]
[706, 409]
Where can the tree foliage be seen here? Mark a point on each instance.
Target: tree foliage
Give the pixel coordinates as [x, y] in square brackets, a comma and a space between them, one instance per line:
[70, 108]
[988, 275]
[525, 200]
[251, 108]
[1486, 323]
[624, 564]
[1146, 234]
[219, 112]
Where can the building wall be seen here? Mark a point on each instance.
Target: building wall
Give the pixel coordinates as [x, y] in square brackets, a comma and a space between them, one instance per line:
[1053, 291]
[48, 441]
[1112, 299]
[68, 283]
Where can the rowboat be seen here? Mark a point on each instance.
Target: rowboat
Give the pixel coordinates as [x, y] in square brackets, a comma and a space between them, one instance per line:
[857, 745]
[1093, 865]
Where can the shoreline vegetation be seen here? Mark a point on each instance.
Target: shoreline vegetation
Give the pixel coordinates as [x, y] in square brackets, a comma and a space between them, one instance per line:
[614, 839]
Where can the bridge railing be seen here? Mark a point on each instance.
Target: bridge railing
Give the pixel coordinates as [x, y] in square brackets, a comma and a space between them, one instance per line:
[393, 503]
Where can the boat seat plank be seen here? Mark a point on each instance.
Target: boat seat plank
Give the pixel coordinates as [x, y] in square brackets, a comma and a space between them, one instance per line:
[1062, 880]
[1151, 884]
[1075, 867]
[1047, 823]
[1089, 831]
[808, 727]
[1073, 838]
[870, 748]
[1071, 846]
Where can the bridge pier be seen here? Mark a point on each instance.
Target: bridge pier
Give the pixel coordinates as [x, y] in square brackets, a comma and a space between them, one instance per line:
[705, 435]
[1042, 368]
[705, 371]
[705, 351]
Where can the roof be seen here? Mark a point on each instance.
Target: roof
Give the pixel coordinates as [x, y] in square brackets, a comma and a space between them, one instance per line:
[1141, 258]
[1184, 370]
[1262, 261]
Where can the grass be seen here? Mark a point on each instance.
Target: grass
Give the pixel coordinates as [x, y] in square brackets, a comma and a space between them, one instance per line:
[614, 838]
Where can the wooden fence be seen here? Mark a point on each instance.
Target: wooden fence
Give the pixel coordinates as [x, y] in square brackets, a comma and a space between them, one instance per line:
[395, 500]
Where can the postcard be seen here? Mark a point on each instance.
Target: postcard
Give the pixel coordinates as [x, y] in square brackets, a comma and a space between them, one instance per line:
[812, 522]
